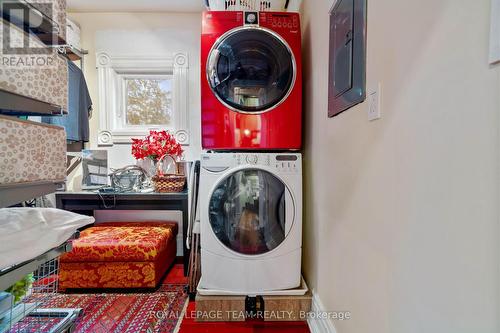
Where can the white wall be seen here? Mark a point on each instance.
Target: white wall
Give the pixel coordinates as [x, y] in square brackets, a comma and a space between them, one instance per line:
[140, 34]
[401, 222]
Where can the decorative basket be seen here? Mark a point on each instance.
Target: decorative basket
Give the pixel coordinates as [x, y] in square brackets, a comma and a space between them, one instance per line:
[164, 183]
[251, 5]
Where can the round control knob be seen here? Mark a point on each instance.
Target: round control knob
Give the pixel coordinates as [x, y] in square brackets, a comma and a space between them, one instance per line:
[252, 159]
[251, 18]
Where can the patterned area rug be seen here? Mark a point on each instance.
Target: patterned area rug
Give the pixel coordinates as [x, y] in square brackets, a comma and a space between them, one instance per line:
[153, 312]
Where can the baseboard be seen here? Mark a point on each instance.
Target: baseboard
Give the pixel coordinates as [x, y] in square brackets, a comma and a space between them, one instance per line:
[319, 325]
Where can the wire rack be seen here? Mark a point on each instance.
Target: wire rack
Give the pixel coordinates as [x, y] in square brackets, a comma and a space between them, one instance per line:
[23, 304]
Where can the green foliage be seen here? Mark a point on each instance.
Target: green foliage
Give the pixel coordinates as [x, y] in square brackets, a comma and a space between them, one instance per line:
[21, 287]
[147, 102]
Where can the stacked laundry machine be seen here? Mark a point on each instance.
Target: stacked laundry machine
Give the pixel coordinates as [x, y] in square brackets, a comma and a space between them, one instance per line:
[251, 170]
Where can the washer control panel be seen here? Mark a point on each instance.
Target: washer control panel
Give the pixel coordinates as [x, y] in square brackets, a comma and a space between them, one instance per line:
[287, 162]
[252, 159]
[281, 162]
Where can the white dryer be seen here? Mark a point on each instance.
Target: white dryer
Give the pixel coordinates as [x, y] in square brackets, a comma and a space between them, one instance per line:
[251, 222]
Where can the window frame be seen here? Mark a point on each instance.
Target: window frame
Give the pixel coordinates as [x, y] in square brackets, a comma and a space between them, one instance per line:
[112, 74]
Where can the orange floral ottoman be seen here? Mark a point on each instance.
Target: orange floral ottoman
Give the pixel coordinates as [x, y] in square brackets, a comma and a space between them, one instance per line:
[119, 255]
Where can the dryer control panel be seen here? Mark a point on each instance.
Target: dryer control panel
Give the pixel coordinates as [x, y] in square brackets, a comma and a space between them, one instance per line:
[277, 21]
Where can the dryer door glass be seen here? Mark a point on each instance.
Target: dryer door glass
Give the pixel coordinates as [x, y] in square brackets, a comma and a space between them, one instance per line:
[251, 70]
[247, 211]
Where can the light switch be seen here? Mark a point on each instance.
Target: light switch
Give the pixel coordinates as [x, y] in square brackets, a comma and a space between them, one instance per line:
[374, 103]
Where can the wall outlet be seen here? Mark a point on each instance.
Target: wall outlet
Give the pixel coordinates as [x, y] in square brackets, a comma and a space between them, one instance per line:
[374, 103]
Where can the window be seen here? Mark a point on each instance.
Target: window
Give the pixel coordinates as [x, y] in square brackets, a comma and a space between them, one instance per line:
[148, 101]
[137, 94]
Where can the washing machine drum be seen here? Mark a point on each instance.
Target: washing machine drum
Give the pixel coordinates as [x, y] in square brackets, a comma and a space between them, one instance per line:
[251, 211]
[251, 70]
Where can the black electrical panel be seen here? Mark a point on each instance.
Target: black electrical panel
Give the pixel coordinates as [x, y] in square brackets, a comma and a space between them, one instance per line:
[347, 57]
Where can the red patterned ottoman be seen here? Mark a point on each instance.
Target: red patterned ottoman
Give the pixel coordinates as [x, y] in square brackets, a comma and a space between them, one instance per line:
[119, 255]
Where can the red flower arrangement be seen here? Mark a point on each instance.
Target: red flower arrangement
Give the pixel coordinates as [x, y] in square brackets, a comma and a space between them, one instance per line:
[155, 145]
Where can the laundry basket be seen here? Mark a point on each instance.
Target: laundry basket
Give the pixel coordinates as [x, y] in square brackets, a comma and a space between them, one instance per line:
[254, 5]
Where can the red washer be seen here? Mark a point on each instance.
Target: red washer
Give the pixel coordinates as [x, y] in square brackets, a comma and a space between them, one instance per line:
[251, 81]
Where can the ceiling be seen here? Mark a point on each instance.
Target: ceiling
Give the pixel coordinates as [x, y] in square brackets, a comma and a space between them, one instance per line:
[135, 5]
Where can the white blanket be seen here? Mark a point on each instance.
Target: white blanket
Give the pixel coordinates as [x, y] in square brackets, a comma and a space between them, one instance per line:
[26, 233]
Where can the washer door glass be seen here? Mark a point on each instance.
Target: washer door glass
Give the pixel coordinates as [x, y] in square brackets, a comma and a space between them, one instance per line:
[251, 70]
[251, 211]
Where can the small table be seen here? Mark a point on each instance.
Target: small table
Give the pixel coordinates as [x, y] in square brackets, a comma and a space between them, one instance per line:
[88, 201]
